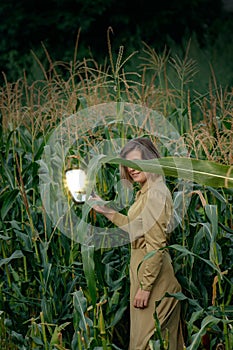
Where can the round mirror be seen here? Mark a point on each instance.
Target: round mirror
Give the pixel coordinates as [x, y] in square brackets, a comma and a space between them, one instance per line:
[76, 182]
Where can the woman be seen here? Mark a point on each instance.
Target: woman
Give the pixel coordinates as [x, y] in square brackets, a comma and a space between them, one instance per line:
[147, 223]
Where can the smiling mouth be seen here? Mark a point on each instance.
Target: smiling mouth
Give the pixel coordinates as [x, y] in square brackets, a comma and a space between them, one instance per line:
[135, 174]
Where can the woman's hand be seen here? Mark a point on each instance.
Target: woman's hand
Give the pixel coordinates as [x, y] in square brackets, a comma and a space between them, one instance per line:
[102, 209]
[141, 299]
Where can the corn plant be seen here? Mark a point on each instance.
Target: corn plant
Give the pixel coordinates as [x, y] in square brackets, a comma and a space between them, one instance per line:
[56, 293]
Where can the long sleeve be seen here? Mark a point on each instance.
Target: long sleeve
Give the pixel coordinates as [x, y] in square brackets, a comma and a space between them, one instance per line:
[121, 221]
[156, 215]
[131, 223]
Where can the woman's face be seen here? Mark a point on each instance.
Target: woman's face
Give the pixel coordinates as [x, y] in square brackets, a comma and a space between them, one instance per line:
[136, 175]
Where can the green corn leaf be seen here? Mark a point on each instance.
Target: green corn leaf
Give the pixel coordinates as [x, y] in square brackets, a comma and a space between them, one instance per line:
[184, 252]
[37, 341]
[196, 315]
[180, 296]
[215, 253]
[80, 305]
[25, 240]
[217, 194]
[16, 255]
[8, 175]
[212, 214]
[203, 172]
[89, 270]
[155, 344]
[118, 315]
[55, 336]
[7, 200]
[5, 238]
[207, 322]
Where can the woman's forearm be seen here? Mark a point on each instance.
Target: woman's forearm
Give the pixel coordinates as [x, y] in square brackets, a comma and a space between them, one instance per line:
[109, 215]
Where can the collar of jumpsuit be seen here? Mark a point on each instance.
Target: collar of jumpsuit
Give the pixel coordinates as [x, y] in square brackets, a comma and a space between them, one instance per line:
[151, 181]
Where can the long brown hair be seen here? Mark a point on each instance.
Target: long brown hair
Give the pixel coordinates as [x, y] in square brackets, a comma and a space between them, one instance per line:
[142, 144]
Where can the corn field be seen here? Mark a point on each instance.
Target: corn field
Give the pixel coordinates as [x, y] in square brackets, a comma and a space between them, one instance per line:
[55, 291]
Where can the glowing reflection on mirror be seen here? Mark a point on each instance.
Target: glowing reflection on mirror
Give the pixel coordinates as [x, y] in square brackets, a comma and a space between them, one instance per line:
[76, 183]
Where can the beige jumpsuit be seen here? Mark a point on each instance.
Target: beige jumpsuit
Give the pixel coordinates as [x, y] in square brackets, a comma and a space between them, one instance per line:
[147, 223]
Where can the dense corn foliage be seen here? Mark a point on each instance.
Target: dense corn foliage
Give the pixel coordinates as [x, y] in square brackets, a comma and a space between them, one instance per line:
[56, 293]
